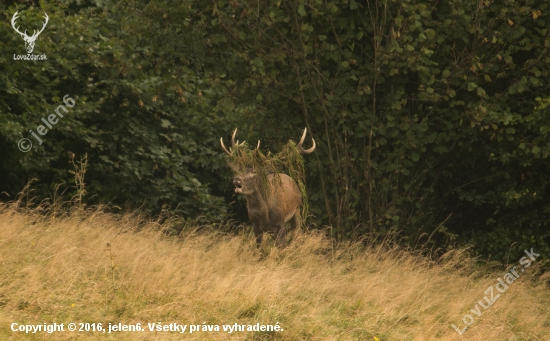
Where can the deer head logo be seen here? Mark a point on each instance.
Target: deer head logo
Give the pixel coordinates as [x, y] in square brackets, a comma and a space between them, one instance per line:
[29, 41]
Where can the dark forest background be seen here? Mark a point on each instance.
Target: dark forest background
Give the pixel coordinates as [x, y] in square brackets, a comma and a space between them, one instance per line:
[431, 117]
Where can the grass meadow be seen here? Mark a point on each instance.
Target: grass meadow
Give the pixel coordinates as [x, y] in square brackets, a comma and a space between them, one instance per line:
[95, 267]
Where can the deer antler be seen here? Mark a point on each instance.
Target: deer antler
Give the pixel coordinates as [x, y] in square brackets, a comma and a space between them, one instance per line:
[16, 16]
[299, 145]
[233, 144]
[13, 19]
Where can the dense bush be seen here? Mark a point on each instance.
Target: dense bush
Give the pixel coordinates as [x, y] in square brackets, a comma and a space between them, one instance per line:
[142, 117]
[431, 117]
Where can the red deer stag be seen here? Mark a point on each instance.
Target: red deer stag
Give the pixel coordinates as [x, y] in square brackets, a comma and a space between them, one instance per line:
[281, 202]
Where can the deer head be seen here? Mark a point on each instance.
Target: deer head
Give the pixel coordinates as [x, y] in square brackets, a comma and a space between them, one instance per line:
[29, 41]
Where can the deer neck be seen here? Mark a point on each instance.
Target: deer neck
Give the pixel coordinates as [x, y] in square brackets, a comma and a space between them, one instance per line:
[257, 204]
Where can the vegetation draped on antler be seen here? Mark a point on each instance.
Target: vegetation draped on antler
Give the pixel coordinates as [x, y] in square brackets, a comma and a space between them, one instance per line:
[289, 161]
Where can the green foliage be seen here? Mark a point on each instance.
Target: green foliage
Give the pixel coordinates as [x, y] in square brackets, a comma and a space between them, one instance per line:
[144, 123]
[293, 162]
[431, 117]
[424, 111]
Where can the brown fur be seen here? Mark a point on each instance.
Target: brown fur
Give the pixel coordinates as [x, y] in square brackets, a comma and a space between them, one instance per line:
[269, 213]
[269, 209]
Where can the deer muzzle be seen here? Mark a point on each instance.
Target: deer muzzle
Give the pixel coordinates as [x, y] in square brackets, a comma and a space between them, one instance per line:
[238, 185]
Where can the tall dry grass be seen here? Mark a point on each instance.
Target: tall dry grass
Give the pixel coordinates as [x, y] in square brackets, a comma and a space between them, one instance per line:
[89, 266]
